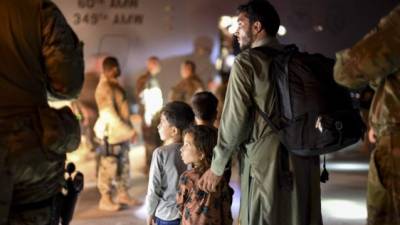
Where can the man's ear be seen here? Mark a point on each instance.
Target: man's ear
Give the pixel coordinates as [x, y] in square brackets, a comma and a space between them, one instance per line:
[257, 27]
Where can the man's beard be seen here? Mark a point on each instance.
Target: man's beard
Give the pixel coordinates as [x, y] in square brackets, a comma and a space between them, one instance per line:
[248, 42]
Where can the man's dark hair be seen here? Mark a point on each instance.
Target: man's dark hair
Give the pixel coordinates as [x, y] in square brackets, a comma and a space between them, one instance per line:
[205, 105]
[109, 63]
[153, 58]
[191, 64]
[204, 139]
[178, 114]
[264, 12]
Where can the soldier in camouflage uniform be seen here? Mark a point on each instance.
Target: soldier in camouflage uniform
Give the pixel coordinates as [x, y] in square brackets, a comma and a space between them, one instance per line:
[39, 53]
[375, 60]
[150, 100]
[113, 123]
[188, 86]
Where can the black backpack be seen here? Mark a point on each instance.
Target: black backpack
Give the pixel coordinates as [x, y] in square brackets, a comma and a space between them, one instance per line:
[307, 94]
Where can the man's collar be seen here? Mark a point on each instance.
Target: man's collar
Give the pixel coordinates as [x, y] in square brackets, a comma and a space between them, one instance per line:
[270, 41]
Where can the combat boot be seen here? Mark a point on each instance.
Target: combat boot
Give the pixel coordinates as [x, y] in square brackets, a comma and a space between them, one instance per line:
[107, 204]
[124, 198]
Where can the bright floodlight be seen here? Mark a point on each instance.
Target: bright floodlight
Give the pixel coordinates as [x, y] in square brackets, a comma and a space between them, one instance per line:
[229, 60]
[234, 26]
[218, 64]
[225, 22]
[153, 102]
[318, 28]
[282, 31]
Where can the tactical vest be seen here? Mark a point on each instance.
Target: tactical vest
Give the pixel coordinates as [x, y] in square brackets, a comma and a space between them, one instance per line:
[22, 80]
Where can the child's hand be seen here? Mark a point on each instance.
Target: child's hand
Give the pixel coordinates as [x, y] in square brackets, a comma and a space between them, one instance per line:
[209, 181]
[150, 220]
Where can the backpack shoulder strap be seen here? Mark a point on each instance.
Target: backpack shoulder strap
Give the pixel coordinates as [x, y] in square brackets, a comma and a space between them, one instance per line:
[273, 53]
[287, 51]
[267, 119]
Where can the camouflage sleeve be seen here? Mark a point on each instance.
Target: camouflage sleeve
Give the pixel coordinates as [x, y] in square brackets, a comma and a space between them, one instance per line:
[374, 57]
[62, 54]
[175, 94]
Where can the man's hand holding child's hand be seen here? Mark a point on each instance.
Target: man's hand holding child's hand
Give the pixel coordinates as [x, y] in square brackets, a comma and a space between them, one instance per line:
[209, 181]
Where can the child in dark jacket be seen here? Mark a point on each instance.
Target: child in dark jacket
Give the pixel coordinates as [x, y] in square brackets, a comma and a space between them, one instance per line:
[196, 206]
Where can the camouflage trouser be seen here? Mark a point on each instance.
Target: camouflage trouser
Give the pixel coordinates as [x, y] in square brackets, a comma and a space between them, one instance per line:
[28, 175]
[114, 168]
[383, 195]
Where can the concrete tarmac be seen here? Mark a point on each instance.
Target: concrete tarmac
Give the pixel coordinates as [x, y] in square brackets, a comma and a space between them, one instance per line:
[343, 196]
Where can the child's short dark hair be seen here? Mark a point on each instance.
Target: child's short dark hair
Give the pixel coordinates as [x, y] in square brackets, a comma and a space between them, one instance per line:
[204, 139]
[205, 105]
[178, 114]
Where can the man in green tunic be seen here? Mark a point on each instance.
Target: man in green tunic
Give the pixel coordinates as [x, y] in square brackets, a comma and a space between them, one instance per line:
[375, 60]
[265, 200]
[40, 56]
